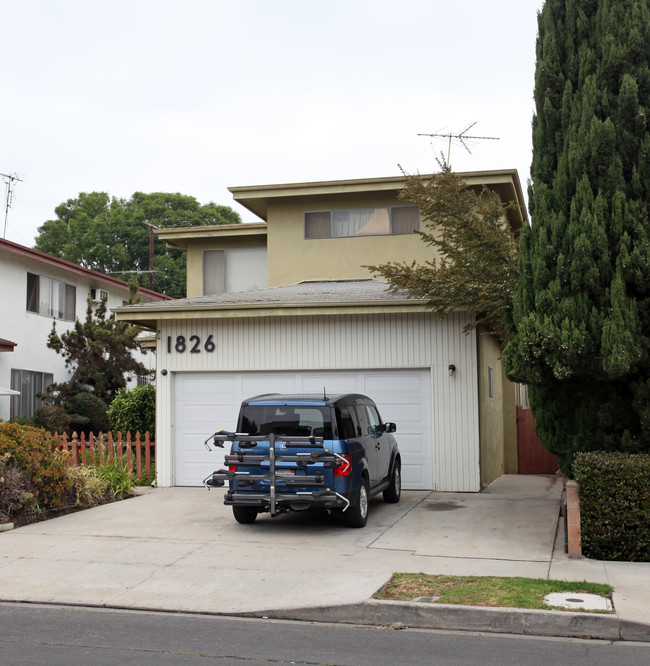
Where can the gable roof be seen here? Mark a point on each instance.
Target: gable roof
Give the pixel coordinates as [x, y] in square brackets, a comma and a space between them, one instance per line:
[48, 259]
[306, 298]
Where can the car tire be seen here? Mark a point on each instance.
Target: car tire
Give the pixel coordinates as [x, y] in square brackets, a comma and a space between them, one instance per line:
[357, 513]
[394, 490]
[244, 514]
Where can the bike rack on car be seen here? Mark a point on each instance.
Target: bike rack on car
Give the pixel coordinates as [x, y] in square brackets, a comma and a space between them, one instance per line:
[246, 457]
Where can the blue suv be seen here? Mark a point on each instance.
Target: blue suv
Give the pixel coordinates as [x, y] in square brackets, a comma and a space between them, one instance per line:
[297, 452]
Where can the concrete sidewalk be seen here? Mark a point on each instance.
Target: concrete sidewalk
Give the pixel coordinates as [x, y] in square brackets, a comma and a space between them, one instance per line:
[179, 549]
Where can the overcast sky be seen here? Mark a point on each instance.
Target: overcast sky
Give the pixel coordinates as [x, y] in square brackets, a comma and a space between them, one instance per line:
[193, 96]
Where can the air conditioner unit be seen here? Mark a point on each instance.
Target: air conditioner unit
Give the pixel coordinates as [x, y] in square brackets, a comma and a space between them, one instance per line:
[96, 295]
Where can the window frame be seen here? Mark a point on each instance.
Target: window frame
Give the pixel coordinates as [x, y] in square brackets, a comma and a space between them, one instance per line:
[222, 270]
[40, 297]
[23, 404]
[331, 212]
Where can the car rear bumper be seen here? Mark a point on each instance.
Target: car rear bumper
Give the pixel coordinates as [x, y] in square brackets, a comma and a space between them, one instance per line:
[324, 499]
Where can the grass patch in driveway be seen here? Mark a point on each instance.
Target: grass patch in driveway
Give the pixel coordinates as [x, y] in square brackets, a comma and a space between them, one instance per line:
[484, 590]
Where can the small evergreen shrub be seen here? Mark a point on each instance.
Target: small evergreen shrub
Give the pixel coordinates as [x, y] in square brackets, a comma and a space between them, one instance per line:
[134, 411]
[88, 413]
[614, 493]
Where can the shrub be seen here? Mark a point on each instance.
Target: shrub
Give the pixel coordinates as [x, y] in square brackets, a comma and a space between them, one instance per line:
[32, 452]
[88, 413]
[614, 493]
[134, 411]
[118, 477]
[52, 418]
[14, 484]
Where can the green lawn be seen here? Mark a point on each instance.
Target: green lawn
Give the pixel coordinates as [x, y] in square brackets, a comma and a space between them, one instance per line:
[484, 590]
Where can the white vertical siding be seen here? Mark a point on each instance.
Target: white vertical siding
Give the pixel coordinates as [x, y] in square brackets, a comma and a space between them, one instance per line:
[341, 342]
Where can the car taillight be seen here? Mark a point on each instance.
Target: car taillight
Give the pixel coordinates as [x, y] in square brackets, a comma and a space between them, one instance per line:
[345, 467]
[232, 468]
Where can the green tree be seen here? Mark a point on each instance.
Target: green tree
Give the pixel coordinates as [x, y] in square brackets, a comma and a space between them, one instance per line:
[99, 352]
[107, 234]
[474, 263]
[582, 307]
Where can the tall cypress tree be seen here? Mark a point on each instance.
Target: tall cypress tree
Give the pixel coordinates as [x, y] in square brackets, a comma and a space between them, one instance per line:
[582, 310]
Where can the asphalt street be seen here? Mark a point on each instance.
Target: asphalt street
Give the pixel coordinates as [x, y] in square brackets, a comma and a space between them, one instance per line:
[59, 636]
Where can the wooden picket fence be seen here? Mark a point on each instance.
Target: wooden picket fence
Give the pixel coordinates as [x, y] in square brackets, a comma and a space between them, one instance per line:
[137, 453]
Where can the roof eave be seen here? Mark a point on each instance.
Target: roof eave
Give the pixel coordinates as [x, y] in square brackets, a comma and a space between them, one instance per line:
[255, 198]
[149, 317]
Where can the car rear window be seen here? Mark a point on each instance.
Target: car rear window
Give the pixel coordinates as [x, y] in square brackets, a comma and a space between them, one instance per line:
[291, 420]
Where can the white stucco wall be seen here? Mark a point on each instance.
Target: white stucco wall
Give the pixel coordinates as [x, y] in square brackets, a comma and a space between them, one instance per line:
[30, 330]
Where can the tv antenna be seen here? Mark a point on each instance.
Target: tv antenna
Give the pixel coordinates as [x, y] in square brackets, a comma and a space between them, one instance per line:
[9, 179]
[461, 139]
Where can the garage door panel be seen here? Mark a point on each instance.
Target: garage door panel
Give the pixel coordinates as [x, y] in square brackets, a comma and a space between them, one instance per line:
[414, 445]
[397, 382]
[416, 473]
[210, 401]
[332, 383]
[259, 383]
[202, 469]
[409, 414]
[200, 385]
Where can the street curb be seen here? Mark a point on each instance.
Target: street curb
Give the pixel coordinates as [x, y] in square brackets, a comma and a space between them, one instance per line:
[402, 614]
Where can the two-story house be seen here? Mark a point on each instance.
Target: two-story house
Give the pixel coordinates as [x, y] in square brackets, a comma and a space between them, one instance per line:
[286, 305]
[37, 289]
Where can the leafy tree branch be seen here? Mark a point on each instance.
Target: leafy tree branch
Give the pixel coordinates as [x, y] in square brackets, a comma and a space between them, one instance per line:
[474, 253]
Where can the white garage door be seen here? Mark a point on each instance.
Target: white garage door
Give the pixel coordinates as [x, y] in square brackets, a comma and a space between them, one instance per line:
[207, 402]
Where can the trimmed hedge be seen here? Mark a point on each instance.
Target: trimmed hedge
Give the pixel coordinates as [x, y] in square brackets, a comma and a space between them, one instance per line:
[134, 410]
[614, 493]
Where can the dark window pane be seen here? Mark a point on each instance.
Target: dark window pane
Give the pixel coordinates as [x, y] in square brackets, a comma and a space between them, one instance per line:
[32, 292]
[346, 419]
[318, 224]
[16, 385]
[70, 309]
[214, 272]
[404, 219]
[286, 420]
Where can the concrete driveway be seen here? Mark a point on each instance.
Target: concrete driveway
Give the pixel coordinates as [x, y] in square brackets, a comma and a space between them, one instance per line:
[179, 549]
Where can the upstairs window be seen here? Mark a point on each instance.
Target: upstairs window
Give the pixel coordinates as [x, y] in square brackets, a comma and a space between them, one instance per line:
[348, 222]
[214, 272]
[51, 298]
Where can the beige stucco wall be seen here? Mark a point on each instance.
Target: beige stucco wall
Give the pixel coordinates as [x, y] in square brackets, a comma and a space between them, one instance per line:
[292, 258]
[509, 425]
[195, 250]
[491, 421]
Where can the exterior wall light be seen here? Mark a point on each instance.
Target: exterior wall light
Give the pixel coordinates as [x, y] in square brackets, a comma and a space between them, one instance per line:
[452, 369]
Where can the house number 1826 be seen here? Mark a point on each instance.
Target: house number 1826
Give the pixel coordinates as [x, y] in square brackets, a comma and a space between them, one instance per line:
[181, 344]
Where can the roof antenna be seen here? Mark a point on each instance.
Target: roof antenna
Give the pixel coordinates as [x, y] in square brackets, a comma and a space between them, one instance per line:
[461, 138]
[9, 179]
[324, 394]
